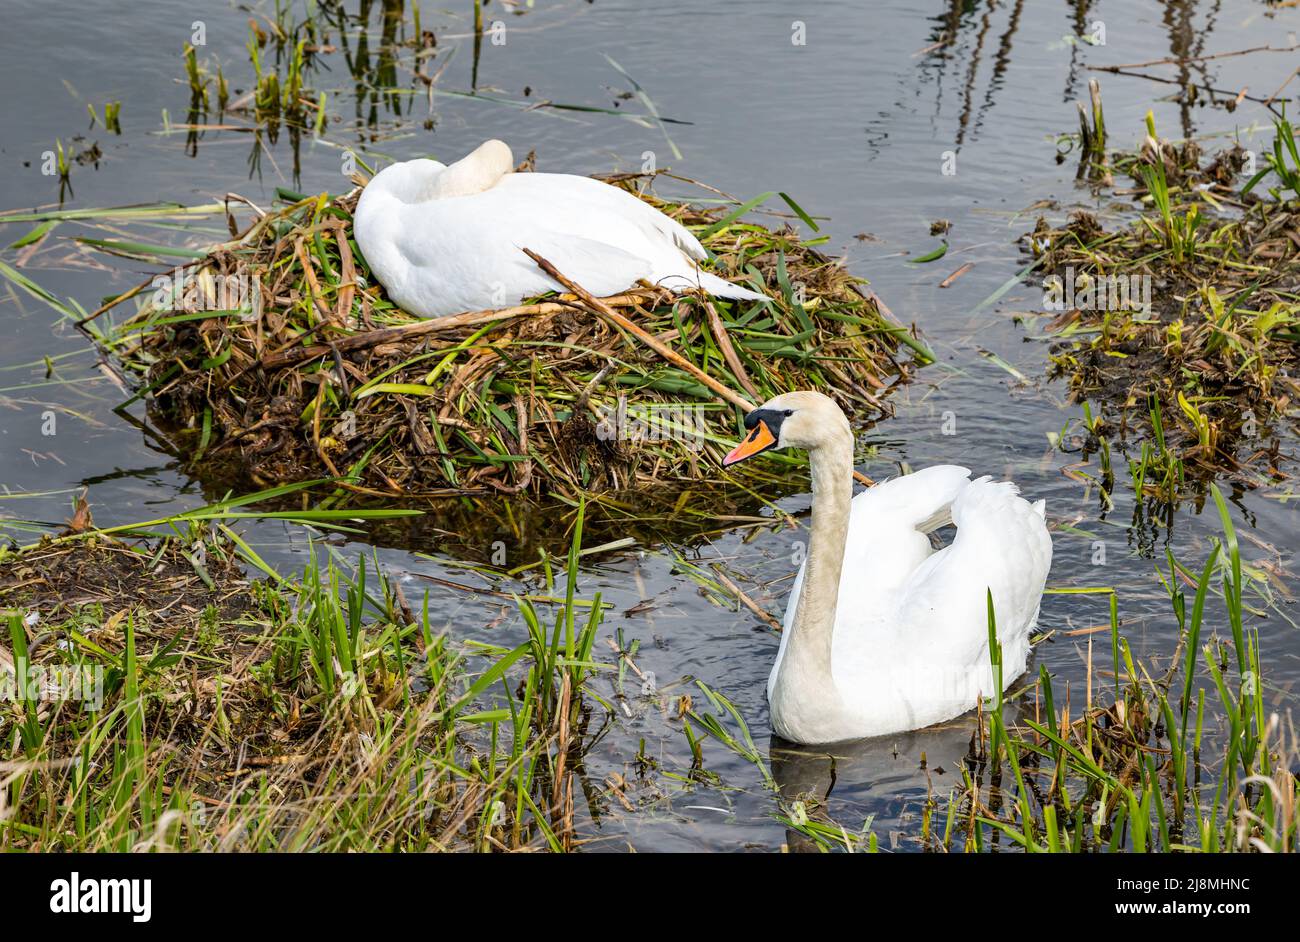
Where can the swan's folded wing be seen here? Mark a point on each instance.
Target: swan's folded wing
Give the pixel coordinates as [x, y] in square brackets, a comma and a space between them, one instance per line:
[1002, 545]
[576, 201]
[887, 535]
[467, 254]
[915, 500]
[601, 268]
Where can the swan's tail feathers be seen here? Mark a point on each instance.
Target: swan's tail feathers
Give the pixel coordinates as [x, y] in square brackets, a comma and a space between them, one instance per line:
[718, 287]
[1009, 537]
[1002, 548]
[725, 289]
[685, 240]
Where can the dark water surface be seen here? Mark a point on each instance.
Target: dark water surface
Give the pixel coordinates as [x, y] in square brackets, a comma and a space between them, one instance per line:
[856, 124]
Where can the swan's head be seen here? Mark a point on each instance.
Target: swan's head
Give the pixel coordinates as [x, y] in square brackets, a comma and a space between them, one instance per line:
[806, 420]
[493, 158]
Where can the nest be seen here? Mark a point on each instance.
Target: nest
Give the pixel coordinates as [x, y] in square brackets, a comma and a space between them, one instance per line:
[311, 372]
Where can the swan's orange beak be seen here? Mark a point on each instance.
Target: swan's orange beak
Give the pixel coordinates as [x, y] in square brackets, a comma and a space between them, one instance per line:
[758, 440]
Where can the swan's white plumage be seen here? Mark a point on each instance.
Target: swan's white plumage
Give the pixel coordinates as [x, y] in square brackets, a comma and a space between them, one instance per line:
[438, 255]
[910, 642]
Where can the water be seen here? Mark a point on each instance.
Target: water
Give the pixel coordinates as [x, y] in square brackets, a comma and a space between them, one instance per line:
[856, 124]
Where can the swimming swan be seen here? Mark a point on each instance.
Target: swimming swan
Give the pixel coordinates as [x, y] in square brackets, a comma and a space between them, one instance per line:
[882, 634]
[446, 239]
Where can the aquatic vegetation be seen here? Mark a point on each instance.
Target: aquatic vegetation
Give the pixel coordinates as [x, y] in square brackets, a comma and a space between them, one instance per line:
[1177, 233]
[1188, 317]
[112, 116]
[1283, 161]
[278, 355]
[1136, 773]
[278, 94]
[1092, 136]
[323, 712]
[396, 65]
[196, 77]
[61, 161]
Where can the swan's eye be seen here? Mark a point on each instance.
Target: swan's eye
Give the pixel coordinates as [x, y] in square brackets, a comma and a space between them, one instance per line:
[788, 413]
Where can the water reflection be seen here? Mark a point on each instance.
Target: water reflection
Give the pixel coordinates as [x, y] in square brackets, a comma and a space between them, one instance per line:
[899, 771]
[962, 36]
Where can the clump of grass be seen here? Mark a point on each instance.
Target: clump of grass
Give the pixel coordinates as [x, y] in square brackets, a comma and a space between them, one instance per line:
[327, 377]
[61, 163]
[274, 97]
[318, 713]
[1156, 472]
[197, 78]
[1283, 161]
[1178, 232]
[1092, 136]
[112, 116]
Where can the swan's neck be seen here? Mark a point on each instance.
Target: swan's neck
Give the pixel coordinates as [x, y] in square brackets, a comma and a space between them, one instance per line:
[804, 690]
[474, 173]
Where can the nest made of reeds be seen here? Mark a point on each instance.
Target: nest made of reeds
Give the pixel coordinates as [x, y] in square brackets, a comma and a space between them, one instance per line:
[311, 372]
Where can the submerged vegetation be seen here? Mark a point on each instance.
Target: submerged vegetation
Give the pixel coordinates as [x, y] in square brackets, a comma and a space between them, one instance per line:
[173, 704]
[278, 357]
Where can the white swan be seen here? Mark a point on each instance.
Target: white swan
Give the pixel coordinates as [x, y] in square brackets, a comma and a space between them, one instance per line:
[882, 634]
[445, 239]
